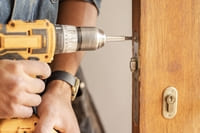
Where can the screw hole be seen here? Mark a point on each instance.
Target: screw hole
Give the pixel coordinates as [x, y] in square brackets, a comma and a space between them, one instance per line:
[12, 24]
[29, 50]
[29, 32]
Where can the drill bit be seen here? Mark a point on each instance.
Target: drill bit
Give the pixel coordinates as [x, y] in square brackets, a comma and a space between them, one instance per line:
[117, 38]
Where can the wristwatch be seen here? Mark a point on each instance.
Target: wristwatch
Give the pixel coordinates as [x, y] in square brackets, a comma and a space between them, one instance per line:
[73, 81]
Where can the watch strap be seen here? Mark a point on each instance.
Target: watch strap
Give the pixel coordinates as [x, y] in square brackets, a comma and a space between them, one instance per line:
[73, 81]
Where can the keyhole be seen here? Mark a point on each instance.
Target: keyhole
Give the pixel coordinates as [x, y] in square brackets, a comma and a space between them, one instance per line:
[170, 99]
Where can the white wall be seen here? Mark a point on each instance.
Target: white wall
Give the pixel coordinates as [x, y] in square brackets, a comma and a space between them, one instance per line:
[107, 70]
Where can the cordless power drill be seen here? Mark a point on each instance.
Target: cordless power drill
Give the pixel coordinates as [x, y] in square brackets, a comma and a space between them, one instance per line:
[41, 40]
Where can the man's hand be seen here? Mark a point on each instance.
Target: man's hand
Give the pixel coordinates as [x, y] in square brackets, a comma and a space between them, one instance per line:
[19, 88]
[56, 111]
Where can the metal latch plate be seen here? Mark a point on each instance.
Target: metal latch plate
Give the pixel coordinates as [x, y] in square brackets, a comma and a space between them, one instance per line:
[133, 64]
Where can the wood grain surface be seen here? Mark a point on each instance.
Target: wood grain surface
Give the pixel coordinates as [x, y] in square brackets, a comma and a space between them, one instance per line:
[169, 55]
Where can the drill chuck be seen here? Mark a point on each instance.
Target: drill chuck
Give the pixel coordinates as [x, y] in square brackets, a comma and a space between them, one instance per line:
[72, 39]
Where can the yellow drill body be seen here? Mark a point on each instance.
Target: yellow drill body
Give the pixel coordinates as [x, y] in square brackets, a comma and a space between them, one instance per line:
[33, 41]
[19, 125]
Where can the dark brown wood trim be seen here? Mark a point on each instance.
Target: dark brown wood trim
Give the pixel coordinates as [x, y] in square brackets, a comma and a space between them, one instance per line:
[135, 75]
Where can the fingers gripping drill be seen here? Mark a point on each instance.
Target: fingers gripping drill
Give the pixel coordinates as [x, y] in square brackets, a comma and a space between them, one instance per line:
[41, 40]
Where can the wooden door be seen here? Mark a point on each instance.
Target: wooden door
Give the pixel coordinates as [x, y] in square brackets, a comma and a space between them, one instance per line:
[168, 35]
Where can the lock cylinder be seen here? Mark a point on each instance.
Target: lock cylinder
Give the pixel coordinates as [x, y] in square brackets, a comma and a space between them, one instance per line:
[170, 102]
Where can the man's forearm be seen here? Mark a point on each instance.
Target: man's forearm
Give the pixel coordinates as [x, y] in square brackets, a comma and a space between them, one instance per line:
[78, 13]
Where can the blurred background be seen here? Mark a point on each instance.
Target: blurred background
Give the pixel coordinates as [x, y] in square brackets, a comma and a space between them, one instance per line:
[107, 70]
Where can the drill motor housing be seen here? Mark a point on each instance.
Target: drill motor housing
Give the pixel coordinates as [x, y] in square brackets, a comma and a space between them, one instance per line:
[28, 40]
